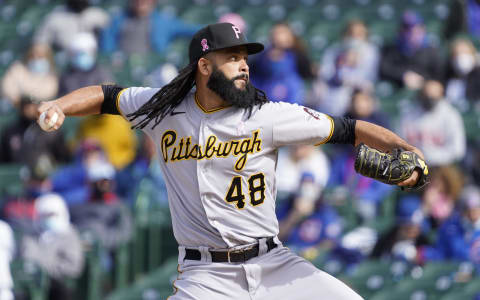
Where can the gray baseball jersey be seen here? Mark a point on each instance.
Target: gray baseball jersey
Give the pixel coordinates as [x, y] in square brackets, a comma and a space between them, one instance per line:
[219, 165]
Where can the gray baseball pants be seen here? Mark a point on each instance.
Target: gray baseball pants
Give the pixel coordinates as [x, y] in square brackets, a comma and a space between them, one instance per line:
[278, 274]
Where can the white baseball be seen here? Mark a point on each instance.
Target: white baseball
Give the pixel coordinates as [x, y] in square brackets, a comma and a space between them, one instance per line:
[47, 126]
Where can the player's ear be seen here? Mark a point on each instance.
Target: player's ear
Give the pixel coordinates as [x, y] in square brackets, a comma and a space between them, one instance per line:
[204, 66]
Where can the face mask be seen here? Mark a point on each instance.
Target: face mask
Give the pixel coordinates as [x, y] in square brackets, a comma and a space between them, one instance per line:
[353, 43]
[463, 63]
[83, 61]
[55, 224]
[441, 209]
[39, 65]
[427, 102]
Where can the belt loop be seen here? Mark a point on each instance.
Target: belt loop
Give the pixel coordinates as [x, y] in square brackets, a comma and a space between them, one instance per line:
[208, 255]
[277, 241]
[181, 254]
[262, 246]
[205, 254]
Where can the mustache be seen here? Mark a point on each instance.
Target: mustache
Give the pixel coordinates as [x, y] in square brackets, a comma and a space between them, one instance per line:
[241, 76]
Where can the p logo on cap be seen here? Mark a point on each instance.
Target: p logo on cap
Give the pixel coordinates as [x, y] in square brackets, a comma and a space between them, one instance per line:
[237, 31]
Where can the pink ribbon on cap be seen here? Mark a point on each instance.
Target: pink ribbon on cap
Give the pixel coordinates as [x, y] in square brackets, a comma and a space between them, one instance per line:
[204, 45]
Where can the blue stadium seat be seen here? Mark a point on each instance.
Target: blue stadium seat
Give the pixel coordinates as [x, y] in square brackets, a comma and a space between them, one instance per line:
[158, 284]
[412, 289]
[372, 276]
[199, 15]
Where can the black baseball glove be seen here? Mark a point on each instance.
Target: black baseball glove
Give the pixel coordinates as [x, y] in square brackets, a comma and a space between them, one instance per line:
[390, 168]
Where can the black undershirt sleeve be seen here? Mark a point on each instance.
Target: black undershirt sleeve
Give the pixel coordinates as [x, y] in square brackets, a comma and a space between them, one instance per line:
[110, 94]
[343, 131]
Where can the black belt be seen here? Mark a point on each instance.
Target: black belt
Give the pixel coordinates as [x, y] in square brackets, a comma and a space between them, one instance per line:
[231, 255]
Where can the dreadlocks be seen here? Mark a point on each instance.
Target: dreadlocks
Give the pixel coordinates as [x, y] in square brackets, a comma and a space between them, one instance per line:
[171, 95]
[166, 99]
[260, 99]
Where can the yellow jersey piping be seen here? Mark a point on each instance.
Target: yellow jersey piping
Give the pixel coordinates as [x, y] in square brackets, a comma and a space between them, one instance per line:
[117, 104]
[332, 127]
[206, 110]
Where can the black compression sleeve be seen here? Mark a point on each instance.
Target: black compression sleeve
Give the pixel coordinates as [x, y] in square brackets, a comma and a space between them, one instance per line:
[110, 94]
[343, 132]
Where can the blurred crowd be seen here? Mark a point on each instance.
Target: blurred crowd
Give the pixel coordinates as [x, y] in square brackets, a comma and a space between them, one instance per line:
[81, 184]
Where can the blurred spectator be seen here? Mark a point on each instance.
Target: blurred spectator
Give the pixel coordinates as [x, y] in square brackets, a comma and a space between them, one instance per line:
[304, 220]
[303, 228]
[113, 132]
[83, 68]
[19, 211]
[71, 181]
[143, 177]
[459, 236]
[61, 25]
[161, 75]
[142, 29]
[302, 174]
[355, 245]
[364, 107]
[7, 252]
[411, 60]
[406, 235]
[366, 194]
[440, 196]
[299, 161]
[56, 246]
[282, 67]
[349, 64]
[235, 19]
[435, 126]
[463, 73]
[104, 215]
[115, 136]
[24, 141]
[463, 17]
[34, 77]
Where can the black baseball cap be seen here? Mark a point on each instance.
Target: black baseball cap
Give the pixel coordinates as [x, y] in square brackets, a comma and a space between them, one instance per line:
[219, 36]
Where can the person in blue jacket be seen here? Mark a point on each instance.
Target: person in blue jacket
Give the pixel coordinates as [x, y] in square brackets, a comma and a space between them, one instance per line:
[141, 28]
[71, 181]
[459, 236]
[367, 193]
[302, 228]
[281, 69]
[142, 177]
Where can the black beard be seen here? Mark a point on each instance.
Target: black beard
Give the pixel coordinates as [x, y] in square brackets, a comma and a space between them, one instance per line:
[226, 89]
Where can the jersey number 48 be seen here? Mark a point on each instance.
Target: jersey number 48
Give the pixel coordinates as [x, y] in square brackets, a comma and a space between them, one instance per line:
[256, 190]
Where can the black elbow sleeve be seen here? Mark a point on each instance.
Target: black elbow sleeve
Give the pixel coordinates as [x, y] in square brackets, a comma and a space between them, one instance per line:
[344, 131]
[110, 94]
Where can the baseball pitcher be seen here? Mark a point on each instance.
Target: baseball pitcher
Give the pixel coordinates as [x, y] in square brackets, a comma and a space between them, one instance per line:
[217, 138]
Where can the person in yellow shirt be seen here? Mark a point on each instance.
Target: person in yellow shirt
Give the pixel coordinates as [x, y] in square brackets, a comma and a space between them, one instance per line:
[114, 135]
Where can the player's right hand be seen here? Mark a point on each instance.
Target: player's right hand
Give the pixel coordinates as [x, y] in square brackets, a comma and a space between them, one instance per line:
[416, 175]
[51, 108]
